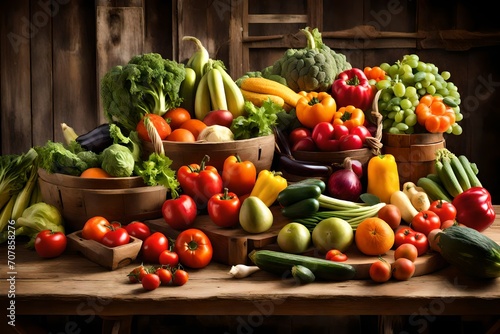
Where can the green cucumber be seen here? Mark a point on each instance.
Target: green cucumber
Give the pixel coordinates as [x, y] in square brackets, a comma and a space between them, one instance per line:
[470, 251]
[301, 209]
[281, 263]
[296, 193]
[320, 183]
[302, 274]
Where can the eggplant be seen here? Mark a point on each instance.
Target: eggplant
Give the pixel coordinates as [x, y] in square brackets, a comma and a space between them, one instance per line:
[96, 140]
[303, 168]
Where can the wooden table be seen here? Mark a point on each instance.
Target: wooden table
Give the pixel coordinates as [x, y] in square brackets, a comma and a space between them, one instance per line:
[71, 284]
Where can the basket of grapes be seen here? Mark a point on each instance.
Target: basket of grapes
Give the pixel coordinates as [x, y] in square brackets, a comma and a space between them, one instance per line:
[419, 105]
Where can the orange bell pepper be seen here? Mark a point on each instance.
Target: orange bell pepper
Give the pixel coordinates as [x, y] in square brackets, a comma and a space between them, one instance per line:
[350, 116]
[315, 107]
[374, 73]
[238, 176]
[434, 115]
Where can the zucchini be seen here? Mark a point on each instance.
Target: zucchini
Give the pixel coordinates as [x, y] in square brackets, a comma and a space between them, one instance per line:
[434, 190]
[301, 209]
[302, 274]
[281, 263]
[470, 251]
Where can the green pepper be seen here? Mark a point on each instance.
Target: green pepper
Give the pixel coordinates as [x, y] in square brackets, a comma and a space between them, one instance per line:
[303, 208]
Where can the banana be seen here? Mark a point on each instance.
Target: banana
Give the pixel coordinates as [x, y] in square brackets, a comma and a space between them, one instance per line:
[188, 90]
[234, 96]
[68, 133]
[202, 98]
[217, 91]
[198, 59]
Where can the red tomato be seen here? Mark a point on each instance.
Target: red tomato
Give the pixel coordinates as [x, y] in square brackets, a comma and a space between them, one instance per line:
[350, 142]
[305, 144]
[138, 230]
[335, 255]
[224, 209]
[168, 258]
[425, 221]
[95, 228]
[406, 234]
[165, 275]
[380, 271]
[391, 214]
[407, 251]
[161, 125]
[362, 132]
[153, 246]
[403, 269]
[150, 281]
[116, 237]
[448, 223]
[137, 274]
[194, 248]
[179, 213]
[445, 210]
[297, 134]
[340, 130]
[50, 244]
[180, 277]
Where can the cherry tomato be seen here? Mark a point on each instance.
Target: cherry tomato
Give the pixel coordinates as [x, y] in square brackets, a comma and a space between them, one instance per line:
[138, 230]
[180, 277]
[403, 269]
[406, 234]
[335, 255]
[380, 271]
[445, 210]
[116, 237]
[194, 248]
[150, 281]
[95, 228]
[164, 274]
[168, 258]
[425, 221]
[179, 213]
[406, 250]
[153, 246]
[50, 244]
[350, 142]
[137, 274]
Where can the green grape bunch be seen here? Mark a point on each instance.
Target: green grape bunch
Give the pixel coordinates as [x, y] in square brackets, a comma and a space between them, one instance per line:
[407, 80]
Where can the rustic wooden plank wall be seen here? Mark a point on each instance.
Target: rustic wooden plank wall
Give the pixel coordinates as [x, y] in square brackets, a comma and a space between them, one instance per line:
[53, 56]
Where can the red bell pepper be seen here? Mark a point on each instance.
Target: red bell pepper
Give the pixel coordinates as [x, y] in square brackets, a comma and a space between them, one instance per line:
[474, 208]
[200, 181]
[224, 209]
[323, 135]
[353, 88]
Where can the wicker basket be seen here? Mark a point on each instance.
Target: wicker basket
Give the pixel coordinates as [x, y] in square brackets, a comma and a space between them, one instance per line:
[122, 199]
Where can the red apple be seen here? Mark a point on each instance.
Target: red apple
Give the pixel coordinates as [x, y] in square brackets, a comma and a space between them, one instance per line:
[219, 117]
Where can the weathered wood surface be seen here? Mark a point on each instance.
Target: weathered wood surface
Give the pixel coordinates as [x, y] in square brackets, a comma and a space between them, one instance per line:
[71, 283]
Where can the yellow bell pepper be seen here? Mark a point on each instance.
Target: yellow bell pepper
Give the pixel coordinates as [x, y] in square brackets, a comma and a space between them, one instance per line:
[383, 177]
[268, 185]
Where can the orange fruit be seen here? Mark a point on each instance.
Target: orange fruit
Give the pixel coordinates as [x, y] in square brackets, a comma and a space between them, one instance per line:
[94, 172]
[194, 125]
[181, 135]
[175, 117]
[374, 236]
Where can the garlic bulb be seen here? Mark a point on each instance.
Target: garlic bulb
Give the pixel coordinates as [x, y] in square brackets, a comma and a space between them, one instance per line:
[241, 270]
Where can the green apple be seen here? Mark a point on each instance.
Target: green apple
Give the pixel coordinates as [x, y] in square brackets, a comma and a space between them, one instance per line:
[294, 238]
[255, 216]
[332, 233]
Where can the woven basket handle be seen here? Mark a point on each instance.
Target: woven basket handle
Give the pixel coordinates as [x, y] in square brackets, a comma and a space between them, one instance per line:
[375, 143]
[154, 136]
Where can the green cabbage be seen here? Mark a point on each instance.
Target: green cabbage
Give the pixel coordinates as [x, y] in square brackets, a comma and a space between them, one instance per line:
[36, 218]
[118, 160]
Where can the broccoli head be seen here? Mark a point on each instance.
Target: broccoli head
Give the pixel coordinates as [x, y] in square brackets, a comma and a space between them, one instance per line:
[148, 83]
